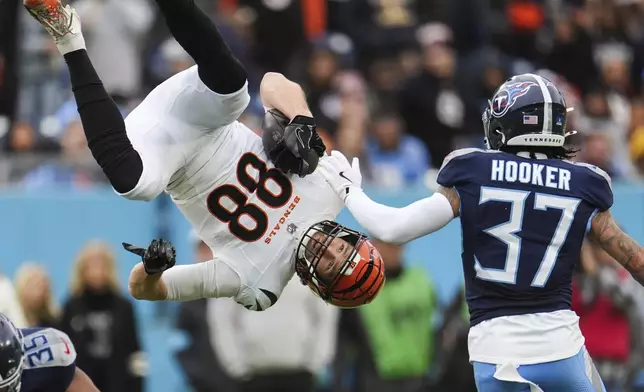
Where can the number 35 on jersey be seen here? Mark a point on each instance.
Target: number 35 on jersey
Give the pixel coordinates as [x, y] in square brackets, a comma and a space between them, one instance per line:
[47, 347]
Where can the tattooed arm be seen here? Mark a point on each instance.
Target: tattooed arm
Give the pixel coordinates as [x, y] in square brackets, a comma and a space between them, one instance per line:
[401, 225]
[452, 197]
[612, 239]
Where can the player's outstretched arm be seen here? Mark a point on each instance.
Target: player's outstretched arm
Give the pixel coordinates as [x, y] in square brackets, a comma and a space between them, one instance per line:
[389, 224]
[210, 279]
[81, 383]
[401, 225]
[146, 286]
[157, 279]
[277, 92]
[619, 245]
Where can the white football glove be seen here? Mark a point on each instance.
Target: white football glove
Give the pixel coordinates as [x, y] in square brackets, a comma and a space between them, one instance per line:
[344, 177]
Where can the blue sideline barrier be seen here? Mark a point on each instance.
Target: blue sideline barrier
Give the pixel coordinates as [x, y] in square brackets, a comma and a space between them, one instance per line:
[50, 226]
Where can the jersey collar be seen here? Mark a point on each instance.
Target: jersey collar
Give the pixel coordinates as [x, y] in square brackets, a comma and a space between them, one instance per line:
[526, 154]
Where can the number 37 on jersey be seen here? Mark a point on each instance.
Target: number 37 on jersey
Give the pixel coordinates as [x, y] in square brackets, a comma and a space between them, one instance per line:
[507, 232]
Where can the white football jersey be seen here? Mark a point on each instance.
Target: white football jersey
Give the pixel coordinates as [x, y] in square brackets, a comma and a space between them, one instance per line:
[47, 347]
[217, 173]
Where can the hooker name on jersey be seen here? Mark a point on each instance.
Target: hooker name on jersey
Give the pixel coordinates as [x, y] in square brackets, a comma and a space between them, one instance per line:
[523, 223]
[530, 173]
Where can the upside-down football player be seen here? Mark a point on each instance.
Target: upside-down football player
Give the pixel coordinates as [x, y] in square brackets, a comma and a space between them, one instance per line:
[257, 202]
[39, 359]
[525, 210]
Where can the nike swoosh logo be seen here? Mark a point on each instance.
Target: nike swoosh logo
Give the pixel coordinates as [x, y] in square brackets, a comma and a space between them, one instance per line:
[298, 133]
[345, 177]
[67, 351]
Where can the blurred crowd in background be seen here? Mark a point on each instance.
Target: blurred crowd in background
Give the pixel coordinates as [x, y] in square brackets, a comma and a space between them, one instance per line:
[399, 83]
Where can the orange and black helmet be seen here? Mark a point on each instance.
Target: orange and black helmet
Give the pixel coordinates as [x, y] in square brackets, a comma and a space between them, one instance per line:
[359, 278]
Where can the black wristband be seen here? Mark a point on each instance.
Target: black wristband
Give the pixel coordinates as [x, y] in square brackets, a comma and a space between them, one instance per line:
[304, 120]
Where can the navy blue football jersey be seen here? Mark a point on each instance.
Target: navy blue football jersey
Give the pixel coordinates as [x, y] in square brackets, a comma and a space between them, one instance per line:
[523, 223]
[50, 360]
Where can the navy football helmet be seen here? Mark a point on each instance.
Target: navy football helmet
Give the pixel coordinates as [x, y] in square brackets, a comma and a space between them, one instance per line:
[11, 356]
[527, 110]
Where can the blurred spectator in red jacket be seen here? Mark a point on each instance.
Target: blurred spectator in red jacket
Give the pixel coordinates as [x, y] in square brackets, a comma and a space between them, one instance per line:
[606, 299]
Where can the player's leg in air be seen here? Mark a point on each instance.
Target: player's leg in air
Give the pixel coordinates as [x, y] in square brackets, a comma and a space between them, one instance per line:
[218, 71]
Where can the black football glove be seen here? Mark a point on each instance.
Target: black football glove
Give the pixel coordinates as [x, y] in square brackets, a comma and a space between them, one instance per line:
[302, 139]
[158, 257]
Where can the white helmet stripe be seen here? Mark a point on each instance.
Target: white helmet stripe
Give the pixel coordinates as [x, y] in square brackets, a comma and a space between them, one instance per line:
[547, 104]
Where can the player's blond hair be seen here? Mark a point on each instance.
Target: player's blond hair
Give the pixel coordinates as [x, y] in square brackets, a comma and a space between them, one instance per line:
[48, 309]
[93, 248]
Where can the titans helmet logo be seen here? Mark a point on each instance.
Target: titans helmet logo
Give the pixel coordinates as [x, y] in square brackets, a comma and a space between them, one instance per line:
[505, 98]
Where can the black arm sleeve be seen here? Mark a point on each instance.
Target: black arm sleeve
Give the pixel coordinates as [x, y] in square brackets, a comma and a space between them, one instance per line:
[218, 68]
[103, 125]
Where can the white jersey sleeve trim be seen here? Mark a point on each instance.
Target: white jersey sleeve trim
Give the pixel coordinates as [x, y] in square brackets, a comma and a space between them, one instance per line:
[400, 225]
[48, 348]
[458, 153]
[210, 279]
[595, 170]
